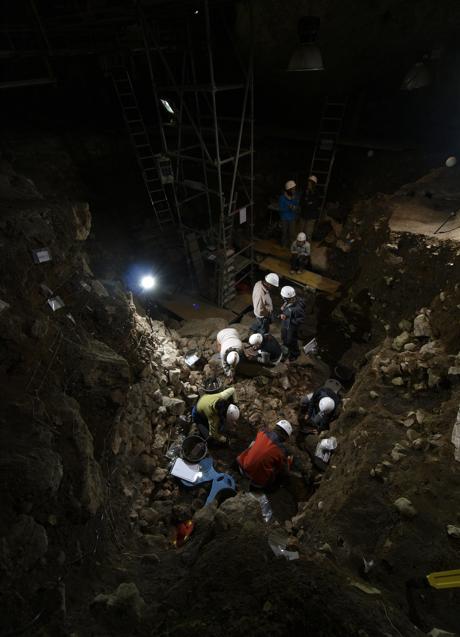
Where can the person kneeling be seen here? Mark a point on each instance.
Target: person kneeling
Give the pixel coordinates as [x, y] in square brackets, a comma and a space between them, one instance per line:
[267, 459]
[319, 409]
[214, 412]
[230, 347]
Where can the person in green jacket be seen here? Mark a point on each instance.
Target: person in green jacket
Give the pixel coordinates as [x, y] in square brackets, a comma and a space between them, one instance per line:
[213, 412]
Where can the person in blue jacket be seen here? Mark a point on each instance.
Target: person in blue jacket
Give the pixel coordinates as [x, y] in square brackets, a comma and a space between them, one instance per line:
[289, 205]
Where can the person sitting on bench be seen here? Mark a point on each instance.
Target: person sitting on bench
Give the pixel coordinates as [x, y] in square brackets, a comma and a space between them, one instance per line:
[300, 253]
[265, 349]
[213, 412]
[318, 410]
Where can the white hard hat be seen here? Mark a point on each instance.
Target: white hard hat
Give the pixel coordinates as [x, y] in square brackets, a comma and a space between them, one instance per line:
[451, 162]
[287, 292]
[233, 413]
[273, 279]
[313, 178]
[233, 359]
[286, 425]
[289, 184]
[301, 236]
[256, 339]
[326, 405]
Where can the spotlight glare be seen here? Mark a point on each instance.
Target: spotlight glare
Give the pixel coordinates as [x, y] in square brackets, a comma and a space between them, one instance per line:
[148, 282]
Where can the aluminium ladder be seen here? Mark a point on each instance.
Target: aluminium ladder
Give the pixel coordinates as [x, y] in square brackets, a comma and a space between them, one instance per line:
[140, 141]
[226, 267]
[326, 145]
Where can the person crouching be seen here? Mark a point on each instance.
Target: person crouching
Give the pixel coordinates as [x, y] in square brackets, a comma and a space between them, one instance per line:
[319, 409]
[230, 347]
[213, 413]
[265, 349]
[266, 460]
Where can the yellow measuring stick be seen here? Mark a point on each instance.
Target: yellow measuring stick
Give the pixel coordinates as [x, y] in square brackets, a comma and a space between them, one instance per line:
[444, 579]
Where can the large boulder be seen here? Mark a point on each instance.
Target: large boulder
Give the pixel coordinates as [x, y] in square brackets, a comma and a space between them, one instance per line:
[81, 467]
[82, 217]
[422, 325]
[31, 475]
[124, 606]
[26, 543]
[100, 366]
[174, 406]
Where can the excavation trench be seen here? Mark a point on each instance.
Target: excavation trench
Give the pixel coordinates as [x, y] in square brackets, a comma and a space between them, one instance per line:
[95, 399]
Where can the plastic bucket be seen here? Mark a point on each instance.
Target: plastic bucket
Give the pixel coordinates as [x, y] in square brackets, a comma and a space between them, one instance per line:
[194, 449]
[212, 386]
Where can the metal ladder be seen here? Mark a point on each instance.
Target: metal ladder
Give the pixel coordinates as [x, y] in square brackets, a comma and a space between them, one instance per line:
[140, 141]
[227, 289]
[326, 145]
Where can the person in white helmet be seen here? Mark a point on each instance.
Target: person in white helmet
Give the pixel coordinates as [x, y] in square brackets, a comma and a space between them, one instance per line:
[230, 348]
[319, 409]
[310, 207]
[214, 413]
[267, 459]
[289, 206]
[292, 316]
[264, 348]
[300, 253]
[263, 304]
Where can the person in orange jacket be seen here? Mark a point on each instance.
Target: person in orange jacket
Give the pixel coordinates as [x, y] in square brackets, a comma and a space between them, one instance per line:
[266, 459]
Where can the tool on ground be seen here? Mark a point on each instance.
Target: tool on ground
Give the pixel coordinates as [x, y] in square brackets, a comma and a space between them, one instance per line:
[444, 579]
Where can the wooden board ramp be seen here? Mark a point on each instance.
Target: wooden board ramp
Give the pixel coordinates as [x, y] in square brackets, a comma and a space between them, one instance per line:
[189, 308]
[311, 279]
[265, 246]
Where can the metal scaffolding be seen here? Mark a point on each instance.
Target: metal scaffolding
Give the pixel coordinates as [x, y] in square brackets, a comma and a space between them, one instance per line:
[195, 147]
[211, 146]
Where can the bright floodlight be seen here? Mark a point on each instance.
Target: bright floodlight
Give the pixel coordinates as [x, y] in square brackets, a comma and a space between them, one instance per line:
[147, 282]
[167, 106]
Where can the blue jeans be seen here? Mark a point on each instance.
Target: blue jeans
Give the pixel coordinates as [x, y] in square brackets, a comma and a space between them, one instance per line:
[287, 232]
[261, 325]
[201, 422]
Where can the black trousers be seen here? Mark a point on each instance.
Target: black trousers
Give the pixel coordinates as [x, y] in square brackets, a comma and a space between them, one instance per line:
[299, 262]
[290, 338]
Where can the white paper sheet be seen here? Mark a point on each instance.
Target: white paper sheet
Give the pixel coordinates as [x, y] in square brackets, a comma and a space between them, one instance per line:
[185, 471]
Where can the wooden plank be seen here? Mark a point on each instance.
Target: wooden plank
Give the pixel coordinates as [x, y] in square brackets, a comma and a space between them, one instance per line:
[189, 308]
[266, 246]
[313, 280]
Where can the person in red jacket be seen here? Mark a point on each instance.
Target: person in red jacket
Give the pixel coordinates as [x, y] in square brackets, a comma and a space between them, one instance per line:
[266, 458]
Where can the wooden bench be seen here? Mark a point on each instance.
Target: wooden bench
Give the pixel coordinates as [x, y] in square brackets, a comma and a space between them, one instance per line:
[307, 278]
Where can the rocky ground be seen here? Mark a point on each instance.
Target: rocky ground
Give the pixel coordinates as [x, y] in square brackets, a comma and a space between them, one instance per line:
[96, 392]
